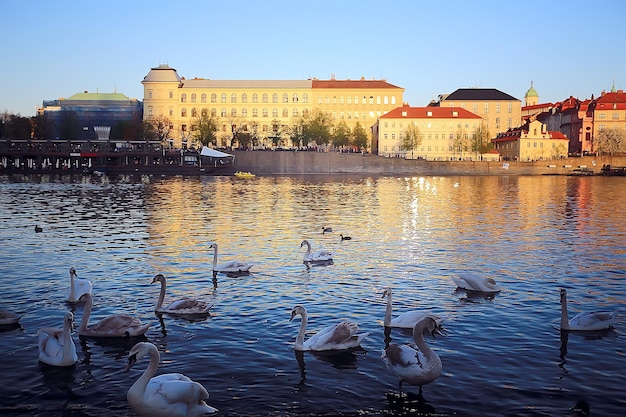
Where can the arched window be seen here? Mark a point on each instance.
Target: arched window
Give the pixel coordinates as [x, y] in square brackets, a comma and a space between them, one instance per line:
[393, 99]
[244, 112]
[377, 99]
[233, 112]
[223, 98]
[274, 112]
[244, 98]
[285, 112]
[183, 98]
[213, 98]
[213, 112]
[385, 100]
[255, 112]
[223, 112]
[204, 112]
[264, 98]
[275, 98]
[193, 97]
[194, 112]
[305, 98]
[183, 112]
[233, 98]
[294, 113]
[264, 112]
[285, 98]
[203, 98]
[294, 98]
[255, 98]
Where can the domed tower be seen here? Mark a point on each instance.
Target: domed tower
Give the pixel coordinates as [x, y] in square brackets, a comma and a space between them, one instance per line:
[159, 92]
[531, 98]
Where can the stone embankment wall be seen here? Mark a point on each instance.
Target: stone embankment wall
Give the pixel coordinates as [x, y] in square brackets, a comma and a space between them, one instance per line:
[309, 162]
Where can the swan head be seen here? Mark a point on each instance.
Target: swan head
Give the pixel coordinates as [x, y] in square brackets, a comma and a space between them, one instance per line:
[429, 324]
[68, 320]
[386, 292]
[212, 245]
[73, 272]
[158, 278]
[563, 295]
[297, 311]
[138, 351]
[304, 242]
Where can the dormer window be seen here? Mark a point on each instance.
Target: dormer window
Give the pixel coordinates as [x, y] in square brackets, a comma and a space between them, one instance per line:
[404, 114]
[455, 114]
[429, 114]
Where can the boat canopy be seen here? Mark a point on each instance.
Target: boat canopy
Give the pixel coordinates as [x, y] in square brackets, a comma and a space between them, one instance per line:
[206, 151]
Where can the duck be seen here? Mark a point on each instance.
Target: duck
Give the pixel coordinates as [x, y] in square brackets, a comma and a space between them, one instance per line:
[319, 256]
[56, 346]
[585, 321]
[165, 395]
[181, 307]
[580, 409]
[414, 364]
[38, 229]
[230, 266]
[78, 288]
[345, 237]
[406, 320]
[117, 325]
[341, 336]
[474, 282]
[327, 230]
[7, 318]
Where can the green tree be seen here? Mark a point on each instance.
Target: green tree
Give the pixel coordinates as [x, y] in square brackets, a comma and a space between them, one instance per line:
[610, 141]
[205, 131]
[412, 138]
[317, 128]
[359, 137]
[480, 140]
[342, 135]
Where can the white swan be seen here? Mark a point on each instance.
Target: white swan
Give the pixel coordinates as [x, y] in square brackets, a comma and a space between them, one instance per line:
[182, 307]
[8, 318]
[167, 395]
[475, 282]
[117, 325]
[319, 256]
[594, 320]
[78, 288]
[56, 346]
[415, 365]
[407, 319]
[340, 336]
[230, 266]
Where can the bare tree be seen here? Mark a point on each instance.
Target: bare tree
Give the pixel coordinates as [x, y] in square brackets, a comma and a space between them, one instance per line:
[610, 141]
[412, 138]
[158, 129]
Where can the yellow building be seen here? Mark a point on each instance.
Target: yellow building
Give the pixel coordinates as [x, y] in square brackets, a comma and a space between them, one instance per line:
[608, 112]
[261, 107]
[531, 142]
[499, 110]
[445, 133]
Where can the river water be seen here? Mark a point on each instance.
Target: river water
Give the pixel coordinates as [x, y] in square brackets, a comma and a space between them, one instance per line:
[502, 356]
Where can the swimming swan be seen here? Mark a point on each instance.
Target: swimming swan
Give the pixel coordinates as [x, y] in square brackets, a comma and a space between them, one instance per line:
[319, 256]
[56, 346]
[231, 266]
[475, 282]
[78, 288]
[8, 318]
[337, 337]
[595, 320]
[407, 319]
[182, 307]
[414, 366]
[117, 325]
[167, 395]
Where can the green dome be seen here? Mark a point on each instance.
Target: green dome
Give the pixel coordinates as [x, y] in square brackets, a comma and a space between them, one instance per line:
[531, 92]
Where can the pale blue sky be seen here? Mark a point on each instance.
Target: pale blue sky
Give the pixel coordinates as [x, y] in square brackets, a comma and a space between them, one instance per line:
[54, 49]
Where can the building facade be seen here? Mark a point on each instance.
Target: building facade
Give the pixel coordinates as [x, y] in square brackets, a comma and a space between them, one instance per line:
[445, 133]
[263, 108]
[531, 142]
[90, 116]
[499, 110]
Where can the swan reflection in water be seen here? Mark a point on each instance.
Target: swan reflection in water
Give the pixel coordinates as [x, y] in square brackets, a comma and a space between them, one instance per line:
[587, 335]
[59, 378]
[344, 359]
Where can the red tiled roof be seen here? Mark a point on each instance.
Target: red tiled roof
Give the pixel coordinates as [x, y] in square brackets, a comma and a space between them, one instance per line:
[362, 83]
[407, 112]
[515, 134]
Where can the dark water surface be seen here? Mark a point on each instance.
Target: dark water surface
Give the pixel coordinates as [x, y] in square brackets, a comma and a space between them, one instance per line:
[501, 356]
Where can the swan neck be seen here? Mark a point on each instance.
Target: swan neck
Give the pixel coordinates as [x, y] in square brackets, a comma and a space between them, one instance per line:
[564, 315]
[418, 336]
[161, 295]
[214, 257]
[302, 331]
[67, 339]
[388, 310]
[308, 251]
[139, 387]
[72, 289]
[86, 313]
